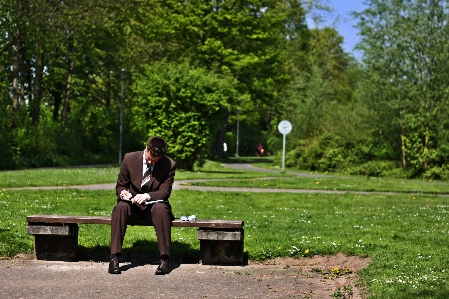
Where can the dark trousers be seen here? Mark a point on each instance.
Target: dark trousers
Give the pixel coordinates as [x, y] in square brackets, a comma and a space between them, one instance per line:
[159, 214]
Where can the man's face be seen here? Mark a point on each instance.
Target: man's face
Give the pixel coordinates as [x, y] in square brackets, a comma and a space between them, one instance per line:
[149, 158]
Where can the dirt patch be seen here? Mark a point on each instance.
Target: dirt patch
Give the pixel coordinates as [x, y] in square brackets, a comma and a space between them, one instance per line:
[321, 276]
[339, 260]
[24, 256]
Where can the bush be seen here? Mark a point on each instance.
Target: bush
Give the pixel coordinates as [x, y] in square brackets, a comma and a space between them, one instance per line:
[324, 153]
[187, 104]
[292, 157]
[437, 173]
[311, 154]
[374, 168]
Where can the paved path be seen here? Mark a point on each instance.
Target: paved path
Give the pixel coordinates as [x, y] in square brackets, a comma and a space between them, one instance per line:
[32, 279]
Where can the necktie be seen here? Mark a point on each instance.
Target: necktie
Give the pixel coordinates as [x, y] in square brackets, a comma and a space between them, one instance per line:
[147, 175]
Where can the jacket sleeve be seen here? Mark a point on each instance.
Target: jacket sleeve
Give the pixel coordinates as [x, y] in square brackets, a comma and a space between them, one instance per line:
[124, 177]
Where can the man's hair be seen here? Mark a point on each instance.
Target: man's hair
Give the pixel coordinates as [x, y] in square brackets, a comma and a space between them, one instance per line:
[157, 146]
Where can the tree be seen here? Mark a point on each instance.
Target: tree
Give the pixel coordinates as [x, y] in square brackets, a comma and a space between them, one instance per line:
[405, 45]
[318, 102]
[183, 104]
[61, 60]
[243, 37]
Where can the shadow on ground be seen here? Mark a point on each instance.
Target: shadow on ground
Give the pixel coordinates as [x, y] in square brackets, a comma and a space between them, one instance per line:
[142, 252]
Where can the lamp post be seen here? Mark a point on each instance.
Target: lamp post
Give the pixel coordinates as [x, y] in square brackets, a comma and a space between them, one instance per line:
[238, 125]
[122, 76]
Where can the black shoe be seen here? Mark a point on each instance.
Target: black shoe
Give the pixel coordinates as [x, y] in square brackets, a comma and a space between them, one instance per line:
[163, 268]
[114, 266]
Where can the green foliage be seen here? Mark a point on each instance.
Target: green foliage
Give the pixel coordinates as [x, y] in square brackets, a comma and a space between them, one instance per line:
[47, 48]
[324, 153]
[240, 37]
[437, 173]
[292, 157]
[36, 146]
[327, 54]
[406, 87]
[318, 102]
[183, 104]
[254, 62]
[250, 135]
[374, 168]
[6, 149]
[244, 38]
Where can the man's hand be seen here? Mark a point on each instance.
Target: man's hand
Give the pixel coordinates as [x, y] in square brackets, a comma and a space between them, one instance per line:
[140, 199]
[124, 194]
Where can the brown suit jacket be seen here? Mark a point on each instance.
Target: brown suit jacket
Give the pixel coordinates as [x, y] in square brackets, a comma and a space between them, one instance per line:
[160, 184]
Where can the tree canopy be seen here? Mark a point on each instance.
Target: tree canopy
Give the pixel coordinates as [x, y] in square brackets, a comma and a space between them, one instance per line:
[194, 69]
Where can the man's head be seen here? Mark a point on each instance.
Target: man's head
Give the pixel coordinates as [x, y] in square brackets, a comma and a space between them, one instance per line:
[156, 148]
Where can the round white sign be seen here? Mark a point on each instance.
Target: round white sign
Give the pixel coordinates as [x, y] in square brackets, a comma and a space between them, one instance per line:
[285, 127]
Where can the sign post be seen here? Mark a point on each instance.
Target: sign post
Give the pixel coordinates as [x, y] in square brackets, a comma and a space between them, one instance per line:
[284, 128]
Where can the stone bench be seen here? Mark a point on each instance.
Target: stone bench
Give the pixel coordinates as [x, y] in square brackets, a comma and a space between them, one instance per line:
[56, 237]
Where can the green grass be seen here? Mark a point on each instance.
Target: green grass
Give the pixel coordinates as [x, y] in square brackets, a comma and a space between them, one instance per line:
[345, 183]
[406, 237]
[108, 174]
[214, 170]
[405, 234]
[58, 176]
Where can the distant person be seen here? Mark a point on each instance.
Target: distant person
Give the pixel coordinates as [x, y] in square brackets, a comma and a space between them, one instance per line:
[225, 149]
[260, 150]
[143, 188]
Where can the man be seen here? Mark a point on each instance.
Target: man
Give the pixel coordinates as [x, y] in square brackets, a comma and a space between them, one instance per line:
[143, 188]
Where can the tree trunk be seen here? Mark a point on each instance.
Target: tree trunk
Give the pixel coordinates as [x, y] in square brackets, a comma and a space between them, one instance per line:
[404, 160]
[37, 91]
[71, 64]
[15, 75]
[57, 98]
[426, 138]
[16, 65]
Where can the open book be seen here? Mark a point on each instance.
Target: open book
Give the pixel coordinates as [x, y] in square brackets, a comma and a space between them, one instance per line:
[147, 203]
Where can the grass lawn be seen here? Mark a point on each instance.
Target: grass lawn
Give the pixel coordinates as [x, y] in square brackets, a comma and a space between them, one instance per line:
[108, 174]
[405, 234]
[341, 183]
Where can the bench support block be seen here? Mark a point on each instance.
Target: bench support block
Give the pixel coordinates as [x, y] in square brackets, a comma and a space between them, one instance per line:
[55, 242]
[221, 247]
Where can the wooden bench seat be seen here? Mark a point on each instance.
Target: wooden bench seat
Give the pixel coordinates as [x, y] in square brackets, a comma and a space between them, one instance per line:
[56, 237]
